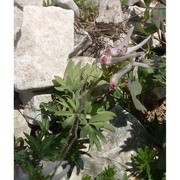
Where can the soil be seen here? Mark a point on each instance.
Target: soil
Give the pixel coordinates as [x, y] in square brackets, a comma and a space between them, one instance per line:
[160, 113]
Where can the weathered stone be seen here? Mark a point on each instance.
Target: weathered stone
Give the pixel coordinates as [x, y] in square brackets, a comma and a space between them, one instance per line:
[69, 4]
[110, 13]
[129, 136]
[23, 3]
[25, 97]
[32, 111]
[46, 41]
[82, 41]
[18, 16]
[136, 14]
[17, 23]
[132, 2]
[20, 124]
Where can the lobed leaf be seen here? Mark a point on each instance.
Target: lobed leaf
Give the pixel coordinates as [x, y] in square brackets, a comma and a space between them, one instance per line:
[60, 81]
[72, 104]
[84, 131]
[104, 125]
[63, 113]
[102, 117]
[69, 121]
[93, 139]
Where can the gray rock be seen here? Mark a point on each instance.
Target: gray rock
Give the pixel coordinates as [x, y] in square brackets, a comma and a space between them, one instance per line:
[23, 3]
[20, 124]
[82, 41]
[69, 4]
[25, 97]
[129, 136]
[136, 14]
[32, 111]
[17, 24]
[132, 2]
[18, 16]
[110, 13]
[47, 38]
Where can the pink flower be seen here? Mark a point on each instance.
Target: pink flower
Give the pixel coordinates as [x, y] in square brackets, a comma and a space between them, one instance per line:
[123, 48]
[114, 81]
[105, 59]
[113, 55]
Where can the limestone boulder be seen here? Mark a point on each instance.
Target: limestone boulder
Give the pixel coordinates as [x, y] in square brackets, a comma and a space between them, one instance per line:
[120, 146]
[20, 124]
[23, 3]
[31, 102]
[132, 2]
[47, 38]
[17, 23]
[110, 13]
[69, 4]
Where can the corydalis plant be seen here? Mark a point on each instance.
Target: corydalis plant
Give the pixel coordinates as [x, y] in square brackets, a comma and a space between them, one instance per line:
[112, 55]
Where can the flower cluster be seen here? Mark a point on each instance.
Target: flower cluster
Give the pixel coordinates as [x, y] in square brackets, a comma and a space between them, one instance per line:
[113, 55]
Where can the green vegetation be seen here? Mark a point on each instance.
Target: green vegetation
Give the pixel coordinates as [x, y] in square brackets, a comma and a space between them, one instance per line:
[80, 109]
[88, 11]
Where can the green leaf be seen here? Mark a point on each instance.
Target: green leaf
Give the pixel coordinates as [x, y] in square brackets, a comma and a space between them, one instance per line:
[150, 29]
[125, 177]
[72, 104]
[46, 143]
[47, 106]
[77, 100]
[44, 124]
[69, 72]
[63, 113]
[147, 2]
[141, 28]
[83, 119]
[76, 69]
[104, 125]
[69, 121]
[60, 81]
[33, 143]
[63, 103]
[77, 84]
[146, 14]
[102, 82]
[84, 131]
[102, 117]
[93, 139]
[107, 113]
[100, 135]
[138, 104]
[97, 142]
[159, 16]
[87, 177]
[62, 88]
[135, 87]
[88, 107]
[70, 82]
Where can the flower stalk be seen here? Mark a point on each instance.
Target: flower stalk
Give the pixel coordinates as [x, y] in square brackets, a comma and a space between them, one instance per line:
[122, 52]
